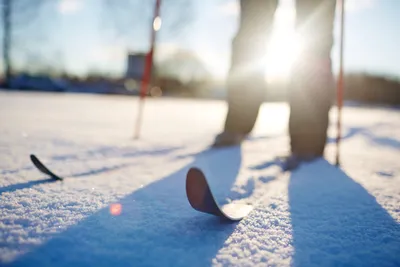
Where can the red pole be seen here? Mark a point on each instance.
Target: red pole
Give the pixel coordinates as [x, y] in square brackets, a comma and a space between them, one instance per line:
[147, 70]
[340, 85]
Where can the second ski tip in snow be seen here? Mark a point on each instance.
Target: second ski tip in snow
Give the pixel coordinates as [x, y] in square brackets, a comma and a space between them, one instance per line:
[42, 168]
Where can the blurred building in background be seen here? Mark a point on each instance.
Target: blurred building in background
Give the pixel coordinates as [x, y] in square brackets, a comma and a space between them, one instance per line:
[135, 66]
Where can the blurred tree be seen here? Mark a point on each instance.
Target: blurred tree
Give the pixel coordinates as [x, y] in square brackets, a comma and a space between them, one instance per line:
[186, 69]
[125, 17]
[6, 40]
[43, 66]
[17, 17]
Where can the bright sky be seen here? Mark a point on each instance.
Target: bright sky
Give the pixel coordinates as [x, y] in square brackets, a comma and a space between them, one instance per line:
[78, 30]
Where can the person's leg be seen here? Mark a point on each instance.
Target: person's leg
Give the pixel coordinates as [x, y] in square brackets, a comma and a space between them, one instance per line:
[312, 87]
[245, 81]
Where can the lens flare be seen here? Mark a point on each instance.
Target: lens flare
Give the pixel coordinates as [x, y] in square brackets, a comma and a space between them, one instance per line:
[115, 209]
[157, 24]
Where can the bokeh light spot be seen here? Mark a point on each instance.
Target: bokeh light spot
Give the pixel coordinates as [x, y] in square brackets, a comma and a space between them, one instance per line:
[115, 209]
[156, 92]
[157, 24]
[131, 85]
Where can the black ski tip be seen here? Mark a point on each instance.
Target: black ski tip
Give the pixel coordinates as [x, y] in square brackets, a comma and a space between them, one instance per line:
[202, 199]
[42, 168]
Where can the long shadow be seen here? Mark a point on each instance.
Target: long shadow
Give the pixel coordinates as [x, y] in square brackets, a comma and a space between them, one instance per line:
[114, 152]
[382, 141]
[367, 132]
[211, 149]
[266, 164]
[102, 152]
[95, 171]
[157, 226]
[101, 170]
[351, 132]
[336, 222]
[29, 184]
[13, 171]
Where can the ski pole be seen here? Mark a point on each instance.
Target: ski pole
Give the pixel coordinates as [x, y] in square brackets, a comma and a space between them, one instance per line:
[340, 83]
[155, 26]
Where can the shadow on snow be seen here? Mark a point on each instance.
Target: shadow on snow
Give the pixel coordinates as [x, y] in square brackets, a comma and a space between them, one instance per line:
[157, 226]
[366, 132]
[97, 153]
[336, 222]
[30, 184]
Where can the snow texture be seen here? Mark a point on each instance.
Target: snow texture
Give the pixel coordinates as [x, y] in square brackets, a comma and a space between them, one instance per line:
[319, 215]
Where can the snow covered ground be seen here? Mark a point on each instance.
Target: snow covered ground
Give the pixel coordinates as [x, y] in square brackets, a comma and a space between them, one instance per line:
[318, 215]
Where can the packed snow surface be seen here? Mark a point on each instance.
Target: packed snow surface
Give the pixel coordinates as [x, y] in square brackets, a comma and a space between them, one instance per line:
[123, 201]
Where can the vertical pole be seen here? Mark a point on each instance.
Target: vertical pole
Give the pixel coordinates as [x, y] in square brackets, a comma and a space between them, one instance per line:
[340, 85]
[147, 68]
[7, 41]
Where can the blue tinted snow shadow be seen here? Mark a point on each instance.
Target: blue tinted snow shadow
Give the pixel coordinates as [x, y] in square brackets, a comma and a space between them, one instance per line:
[101, 152]
[157, 226]
[93, 171]
[23, 185]
[265, 165]
[336, 222]
[367, 132]
[114, 152]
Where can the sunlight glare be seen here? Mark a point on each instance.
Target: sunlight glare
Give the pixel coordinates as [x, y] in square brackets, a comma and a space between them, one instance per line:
[284, 45]
[282, 51]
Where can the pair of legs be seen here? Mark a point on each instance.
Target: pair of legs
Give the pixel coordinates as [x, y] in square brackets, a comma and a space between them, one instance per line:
[311, 86]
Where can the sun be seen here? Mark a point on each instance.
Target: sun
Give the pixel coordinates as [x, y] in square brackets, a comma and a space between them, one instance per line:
[284, 45]
[282, 52]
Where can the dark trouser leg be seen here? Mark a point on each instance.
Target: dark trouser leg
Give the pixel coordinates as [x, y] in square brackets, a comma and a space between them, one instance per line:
[312, 87]
[246, 76]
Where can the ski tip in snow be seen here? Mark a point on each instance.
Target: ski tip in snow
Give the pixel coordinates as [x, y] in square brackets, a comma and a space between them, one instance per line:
[201, 198]
[41, 167]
